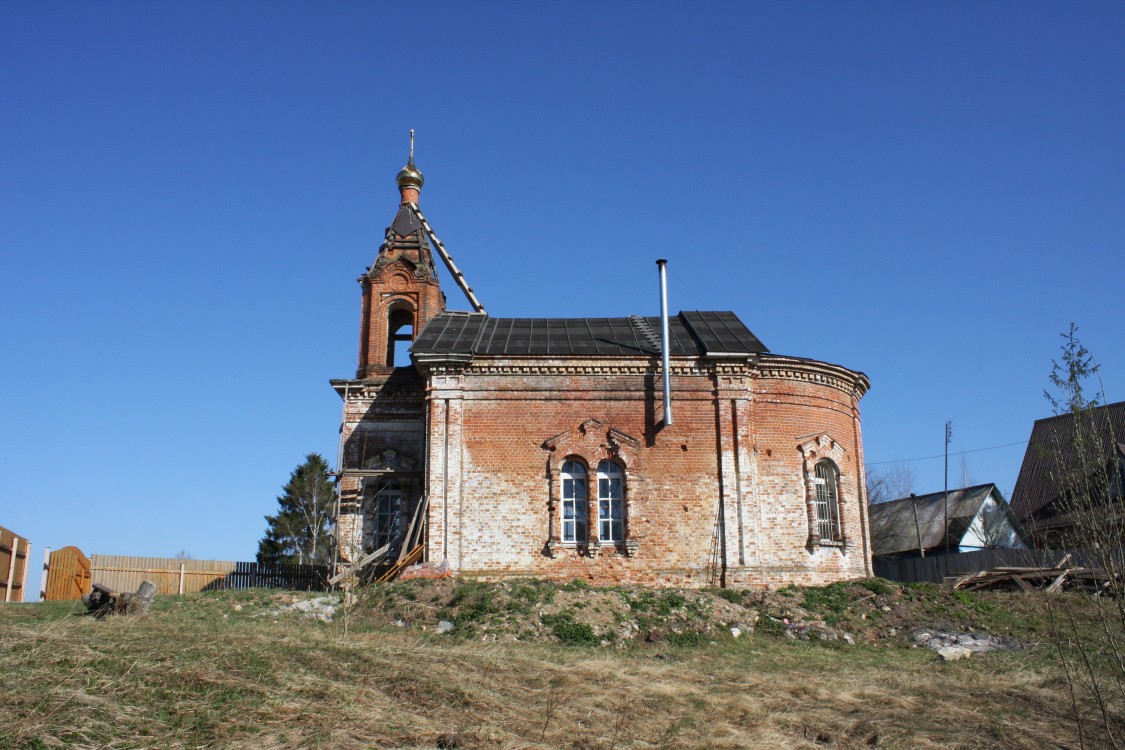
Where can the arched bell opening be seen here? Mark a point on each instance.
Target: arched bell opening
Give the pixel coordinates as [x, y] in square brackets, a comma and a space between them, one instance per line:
[400, 331]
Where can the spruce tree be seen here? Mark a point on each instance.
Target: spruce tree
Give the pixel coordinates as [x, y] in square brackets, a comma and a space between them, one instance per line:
[300, 531]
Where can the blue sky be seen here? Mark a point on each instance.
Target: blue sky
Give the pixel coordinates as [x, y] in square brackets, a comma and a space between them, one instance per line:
[928, 192]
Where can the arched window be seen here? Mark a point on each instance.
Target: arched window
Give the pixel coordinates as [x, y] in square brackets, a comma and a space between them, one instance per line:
[610, 527]
[573, 503]
[388, 515]
[827, 501]
[400, 327]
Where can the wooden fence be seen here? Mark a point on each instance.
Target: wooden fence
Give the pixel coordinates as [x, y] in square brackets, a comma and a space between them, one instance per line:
[68, 575]
[14, 552]
[175, 576]
[936, 567]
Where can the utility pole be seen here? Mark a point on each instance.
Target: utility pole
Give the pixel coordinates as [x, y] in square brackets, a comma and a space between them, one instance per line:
[948, 437]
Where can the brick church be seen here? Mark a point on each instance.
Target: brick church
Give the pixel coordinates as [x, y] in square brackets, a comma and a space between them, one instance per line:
[501, 447]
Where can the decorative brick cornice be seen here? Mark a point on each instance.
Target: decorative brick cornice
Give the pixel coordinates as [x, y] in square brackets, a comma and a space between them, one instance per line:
[442, 364]
[367, 390]
[768, 366]
[776, 367]
[587, 368]
[728, 369]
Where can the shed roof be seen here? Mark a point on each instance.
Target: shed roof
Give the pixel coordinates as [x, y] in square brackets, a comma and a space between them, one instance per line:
[893, 529]
[1051, 448]
[689, 334]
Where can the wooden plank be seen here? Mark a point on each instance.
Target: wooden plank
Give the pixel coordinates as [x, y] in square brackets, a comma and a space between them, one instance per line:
[411, 558]
[11, 577]
[1058, 582]
[408, 540]
[964, 580]
[374, 557]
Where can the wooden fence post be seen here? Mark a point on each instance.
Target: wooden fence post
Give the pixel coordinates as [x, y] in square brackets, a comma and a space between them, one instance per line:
[181, 579]
[26, 565]
[43, 580]
[11, 569]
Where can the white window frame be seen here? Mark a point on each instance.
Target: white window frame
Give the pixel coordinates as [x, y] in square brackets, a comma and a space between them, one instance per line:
[573, 510]
[611, 502]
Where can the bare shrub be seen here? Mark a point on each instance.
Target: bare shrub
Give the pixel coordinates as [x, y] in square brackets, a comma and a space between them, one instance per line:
[1082, 456]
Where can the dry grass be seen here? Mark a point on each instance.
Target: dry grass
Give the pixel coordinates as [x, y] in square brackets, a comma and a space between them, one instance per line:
[209, 671]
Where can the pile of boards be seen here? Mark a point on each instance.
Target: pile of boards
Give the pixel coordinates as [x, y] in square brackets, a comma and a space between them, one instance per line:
[1057, 578]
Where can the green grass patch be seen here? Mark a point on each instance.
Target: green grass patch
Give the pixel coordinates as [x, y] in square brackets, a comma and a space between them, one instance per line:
[570, 632]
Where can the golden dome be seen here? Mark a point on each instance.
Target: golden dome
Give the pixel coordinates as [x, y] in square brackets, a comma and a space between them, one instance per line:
[410, 177]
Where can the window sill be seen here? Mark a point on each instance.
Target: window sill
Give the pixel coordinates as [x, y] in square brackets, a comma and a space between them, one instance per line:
[593, 549]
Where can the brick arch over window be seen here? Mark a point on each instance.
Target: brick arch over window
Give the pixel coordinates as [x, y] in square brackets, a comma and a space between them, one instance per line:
[822, 457]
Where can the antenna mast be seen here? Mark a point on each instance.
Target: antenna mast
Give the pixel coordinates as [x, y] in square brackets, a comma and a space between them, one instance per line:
[662, 265]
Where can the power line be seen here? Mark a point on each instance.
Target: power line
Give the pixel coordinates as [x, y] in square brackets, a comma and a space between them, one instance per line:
[942, 455]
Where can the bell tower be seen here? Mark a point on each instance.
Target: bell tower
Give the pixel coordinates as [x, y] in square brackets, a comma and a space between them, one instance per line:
[401, 292]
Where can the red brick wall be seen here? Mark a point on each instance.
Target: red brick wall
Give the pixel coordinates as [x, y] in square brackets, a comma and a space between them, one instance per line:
[731, 454]
[401, 278]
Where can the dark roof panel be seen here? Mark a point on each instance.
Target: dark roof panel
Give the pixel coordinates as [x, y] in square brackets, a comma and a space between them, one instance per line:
[690, 334]
[1050, 451]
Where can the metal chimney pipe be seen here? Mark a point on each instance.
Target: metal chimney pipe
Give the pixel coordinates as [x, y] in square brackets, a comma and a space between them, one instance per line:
[662, 265]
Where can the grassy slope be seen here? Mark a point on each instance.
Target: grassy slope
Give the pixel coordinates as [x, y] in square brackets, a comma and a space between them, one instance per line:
[209, 670]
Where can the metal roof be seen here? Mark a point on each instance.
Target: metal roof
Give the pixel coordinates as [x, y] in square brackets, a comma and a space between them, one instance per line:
[1050, 450]
[893, 529]
[690, 334]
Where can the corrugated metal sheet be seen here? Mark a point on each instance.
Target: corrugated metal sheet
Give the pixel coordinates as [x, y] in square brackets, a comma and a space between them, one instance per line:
[1050, 449]
[690, 334]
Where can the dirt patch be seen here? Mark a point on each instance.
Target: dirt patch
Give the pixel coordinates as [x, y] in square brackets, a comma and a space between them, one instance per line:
[872, 612]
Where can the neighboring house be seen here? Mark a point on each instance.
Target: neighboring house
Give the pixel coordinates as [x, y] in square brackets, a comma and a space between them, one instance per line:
[533, 446]
[1052, 466]
[979, 518]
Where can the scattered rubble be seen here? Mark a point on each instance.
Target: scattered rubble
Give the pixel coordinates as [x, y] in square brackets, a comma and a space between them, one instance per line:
[954, 653]
[320, 608]
[972, 642]
[868, 613]
[430, 570]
